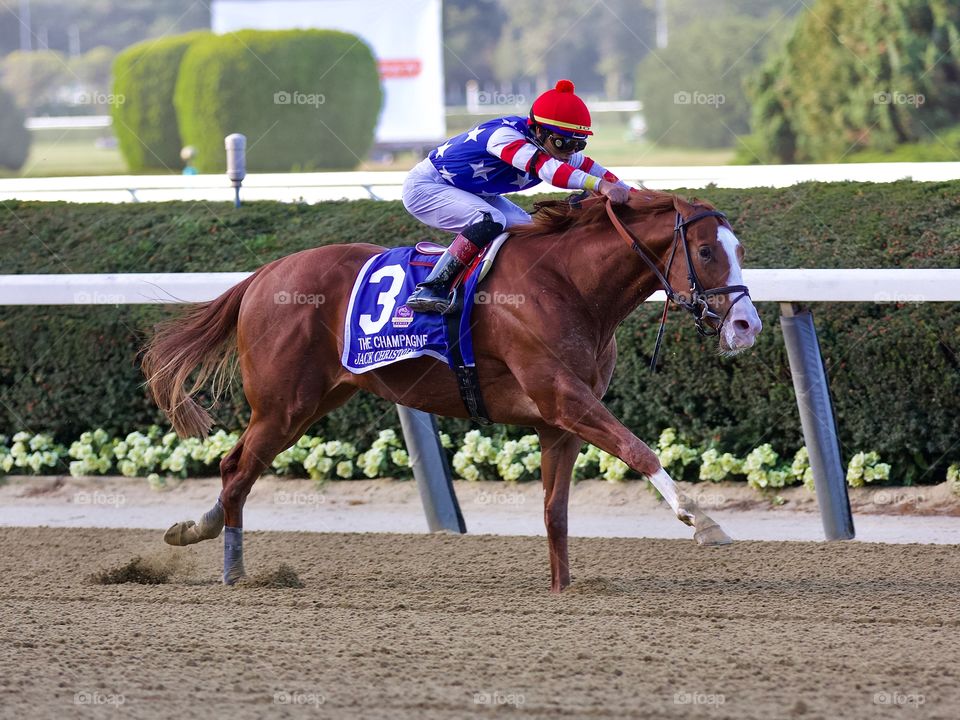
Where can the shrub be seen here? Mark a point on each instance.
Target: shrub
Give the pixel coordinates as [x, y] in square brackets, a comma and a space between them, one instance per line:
[305, 99]
[692, 91]
[144, 76]
[14, 137]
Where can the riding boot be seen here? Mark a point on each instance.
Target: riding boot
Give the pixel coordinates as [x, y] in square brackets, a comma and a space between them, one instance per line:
[433, 294]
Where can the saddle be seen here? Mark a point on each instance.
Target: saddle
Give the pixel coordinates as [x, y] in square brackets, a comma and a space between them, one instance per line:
[480, 264]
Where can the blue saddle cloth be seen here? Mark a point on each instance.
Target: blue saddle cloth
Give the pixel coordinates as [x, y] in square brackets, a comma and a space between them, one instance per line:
[380, 329]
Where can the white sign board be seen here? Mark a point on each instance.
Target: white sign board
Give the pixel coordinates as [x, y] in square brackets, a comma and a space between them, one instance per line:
[405, 37]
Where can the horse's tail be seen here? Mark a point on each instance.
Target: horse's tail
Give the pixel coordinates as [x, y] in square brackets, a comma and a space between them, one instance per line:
[201, 339]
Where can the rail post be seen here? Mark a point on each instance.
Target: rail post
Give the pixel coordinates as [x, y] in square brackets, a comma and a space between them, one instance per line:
[816, 416]
[236, 146]
[431, 471]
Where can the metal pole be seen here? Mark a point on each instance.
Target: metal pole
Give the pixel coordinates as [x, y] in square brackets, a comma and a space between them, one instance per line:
[816, 417]
[431, 471]
[25, 25]
[236, 145]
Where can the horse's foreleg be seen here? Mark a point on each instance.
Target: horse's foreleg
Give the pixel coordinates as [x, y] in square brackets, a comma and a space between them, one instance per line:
[558, 452]
[572, 406]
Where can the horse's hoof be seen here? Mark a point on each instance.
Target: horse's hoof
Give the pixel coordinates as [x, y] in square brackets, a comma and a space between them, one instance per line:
[183, 533]
[711, 535]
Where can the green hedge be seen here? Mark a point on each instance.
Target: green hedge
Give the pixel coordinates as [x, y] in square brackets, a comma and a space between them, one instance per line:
[894, 368]
[305, 99]
[145, 75]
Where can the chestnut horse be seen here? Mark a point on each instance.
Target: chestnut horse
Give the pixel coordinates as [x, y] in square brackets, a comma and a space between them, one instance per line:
[544, 363]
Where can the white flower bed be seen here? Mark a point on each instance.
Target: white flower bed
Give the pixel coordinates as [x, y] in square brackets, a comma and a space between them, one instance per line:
[157, 455]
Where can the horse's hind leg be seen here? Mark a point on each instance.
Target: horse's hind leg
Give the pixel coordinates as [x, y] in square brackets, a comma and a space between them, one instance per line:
[265, 437]
[259, 444]
[263, 440]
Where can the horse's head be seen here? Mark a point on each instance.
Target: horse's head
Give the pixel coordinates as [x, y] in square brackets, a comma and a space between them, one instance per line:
[689, 248]
[706, 274]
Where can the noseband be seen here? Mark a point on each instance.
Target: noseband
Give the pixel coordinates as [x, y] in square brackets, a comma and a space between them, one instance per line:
[697, 302]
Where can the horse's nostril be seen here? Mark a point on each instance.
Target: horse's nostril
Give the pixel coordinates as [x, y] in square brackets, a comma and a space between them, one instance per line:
[741, 325]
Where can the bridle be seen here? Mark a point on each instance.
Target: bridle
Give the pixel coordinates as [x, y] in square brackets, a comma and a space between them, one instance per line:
[697, 303]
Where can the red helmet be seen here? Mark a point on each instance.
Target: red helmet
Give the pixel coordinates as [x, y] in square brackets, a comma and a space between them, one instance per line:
[562, 111]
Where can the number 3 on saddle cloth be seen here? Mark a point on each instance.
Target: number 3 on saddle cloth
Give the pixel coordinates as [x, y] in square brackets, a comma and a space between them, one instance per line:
[380, 329]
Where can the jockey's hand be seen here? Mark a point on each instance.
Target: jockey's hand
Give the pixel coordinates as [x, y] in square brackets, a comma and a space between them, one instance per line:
[617, 193]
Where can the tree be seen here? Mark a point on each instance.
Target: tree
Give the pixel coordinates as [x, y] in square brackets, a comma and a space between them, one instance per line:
[34, 78]
[471, 29]
[93, 68]
[859, 75]
[112, 23]
[14, 137]
[624, 32]
[693, 91]
[546, 43]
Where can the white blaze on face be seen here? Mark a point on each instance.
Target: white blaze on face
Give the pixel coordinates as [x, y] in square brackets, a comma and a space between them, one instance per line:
[743, 323]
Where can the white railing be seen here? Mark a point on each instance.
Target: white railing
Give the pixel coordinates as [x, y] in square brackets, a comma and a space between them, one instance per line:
[386, 185]
[898, 286]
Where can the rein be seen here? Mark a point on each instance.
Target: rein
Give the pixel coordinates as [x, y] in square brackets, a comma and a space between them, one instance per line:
[697, 302]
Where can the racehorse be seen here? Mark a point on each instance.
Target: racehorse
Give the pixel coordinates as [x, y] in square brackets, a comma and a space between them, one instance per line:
[581, 268]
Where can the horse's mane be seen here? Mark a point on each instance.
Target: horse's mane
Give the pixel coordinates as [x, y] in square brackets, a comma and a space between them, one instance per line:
[557, 216]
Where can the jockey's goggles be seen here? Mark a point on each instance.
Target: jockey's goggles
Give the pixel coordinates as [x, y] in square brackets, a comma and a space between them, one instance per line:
[566, 144]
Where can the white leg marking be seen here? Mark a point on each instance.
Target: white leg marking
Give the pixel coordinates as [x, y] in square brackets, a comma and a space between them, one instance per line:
[668, 488]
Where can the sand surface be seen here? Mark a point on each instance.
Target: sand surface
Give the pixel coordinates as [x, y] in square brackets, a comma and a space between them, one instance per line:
[437, 626]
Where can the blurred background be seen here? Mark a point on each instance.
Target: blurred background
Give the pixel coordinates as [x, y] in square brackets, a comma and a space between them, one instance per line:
[96, 87]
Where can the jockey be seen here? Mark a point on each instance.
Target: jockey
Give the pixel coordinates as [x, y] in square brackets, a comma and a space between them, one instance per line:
[459, 187]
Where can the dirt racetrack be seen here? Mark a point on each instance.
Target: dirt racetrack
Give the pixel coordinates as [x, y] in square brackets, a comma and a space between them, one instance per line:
[414, 626]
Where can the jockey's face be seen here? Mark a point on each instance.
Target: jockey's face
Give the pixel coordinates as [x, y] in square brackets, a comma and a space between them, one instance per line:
[562, 147]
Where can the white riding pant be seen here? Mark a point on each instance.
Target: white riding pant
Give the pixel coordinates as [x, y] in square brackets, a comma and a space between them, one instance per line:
[434, 202]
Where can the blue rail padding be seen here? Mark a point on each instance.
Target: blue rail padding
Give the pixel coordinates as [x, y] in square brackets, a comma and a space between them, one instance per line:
[817, 418]
[431, 471]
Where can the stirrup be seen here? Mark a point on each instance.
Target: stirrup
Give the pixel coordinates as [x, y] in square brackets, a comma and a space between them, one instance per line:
[438, 305]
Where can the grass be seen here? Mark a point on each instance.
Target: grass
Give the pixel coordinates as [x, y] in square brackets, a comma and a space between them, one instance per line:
[55, 153]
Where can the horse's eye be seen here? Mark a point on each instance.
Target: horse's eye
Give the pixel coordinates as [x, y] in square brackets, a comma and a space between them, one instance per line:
[705, 253]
